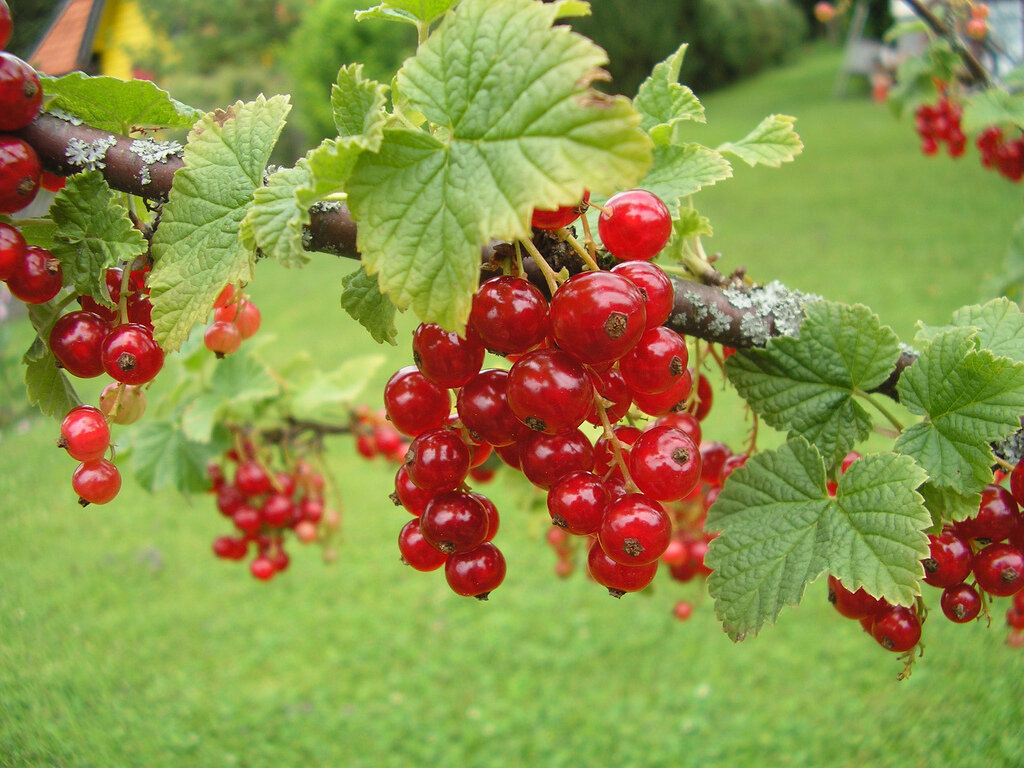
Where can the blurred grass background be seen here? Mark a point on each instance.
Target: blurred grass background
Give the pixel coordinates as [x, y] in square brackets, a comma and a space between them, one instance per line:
[123, 642]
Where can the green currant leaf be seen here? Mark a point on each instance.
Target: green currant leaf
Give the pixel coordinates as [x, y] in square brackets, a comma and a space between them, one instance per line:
[664, 104]
[162, 456]
[358, 105]
[238, 381]
[363, 300]
[196, 248]
[948, 506]
[332, 394]
[47, 386]
[917, 75]
[970, 398]
[1000, 325]
[93, 233]
[517, 127]
[683, 169]
[993, 106]
[780, 531]
[116, 105]
[807, 384]
[772, 143]
[36, 231]
[274, 222]
[412, 11]
[1009, 280]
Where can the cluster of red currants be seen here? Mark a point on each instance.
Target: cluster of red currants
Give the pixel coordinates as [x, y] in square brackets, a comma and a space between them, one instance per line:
[1004, 155]
[264, 504]
[596, 351]
[940, 124]
[235, 319]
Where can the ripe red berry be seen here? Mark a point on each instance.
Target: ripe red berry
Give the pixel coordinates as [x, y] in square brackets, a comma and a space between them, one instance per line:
[230, 548]
[654, 285]
[960, 603]
[76, 340]
[454, 521]
[416, 551]
[6, 26]
[415, 404]
[546, 218]
[998, 514]
[20, 93]
[576, 502]
[852, 605]
[19, 174]
[635, 224]
[438, 460]
[84, 433]
[949, 560]
[897, 629]
[999, 569]
[262, 567]
[549, 391]
[252, 479]
[510, 315]
[37, 278]
[545, 458]
[619, 579]
[222, 338]
[130, 355]
[96, 482]
[444, 357]
[665, 463]
[12, 249]
[475, 573]
[683, 610]
[656, 362]
[597, 316]
[672, 399]
[483, 408]
[635, 530]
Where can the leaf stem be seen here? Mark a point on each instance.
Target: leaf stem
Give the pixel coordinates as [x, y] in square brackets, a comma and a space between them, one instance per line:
[880, 408]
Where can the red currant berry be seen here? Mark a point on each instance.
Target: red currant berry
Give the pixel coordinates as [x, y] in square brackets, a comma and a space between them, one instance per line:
[635, 530]
[635, 225]
[416, 551]
[96, 482]
[701, 406]
[12, 249]
[248, 320]
[1015, 617]
[960, 603]
[278, 511]
[949, 560]
[222, 338]
[438, 460]
[713, 457]
[122, 403]
[617, 578]
[999, 569]
[604, 450]
[19, 174]
[493, 518]
[20, 93]
[672, 399]
[409, 495]
[476, 573]
[37, 278]
[230, 499]
[655, 287]
[263, 568]
[444, 357]
[6, 26]
[852, 605]
[549, 391]
[130, 355]
[230, 548]
[76, 340]
[510, 315]
[683, 610]
[576, 502]
[665, 463]
[597, 316]
[546, 218]
[545, 458]
[415, 404]
[84, 433]
[611, 386]
[683, 420]
[998, 514]
[454, 521]
[656, 362]
[252, 479]
[483, 408]
[897, 629]
[51, 182]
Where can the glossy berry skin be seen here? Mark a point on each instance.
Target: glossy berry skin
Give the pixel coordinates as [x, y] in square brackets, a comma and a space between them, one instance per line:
[576, 502]
[130, 355]
[38, 278]
[999, 569]
[665, 463]
[475, 573]
[76, 340]
[510, 315]
[547, 218]
[949, 560]
[713, 456]
[897, 629]
[20, 171]
[655, 286]
[619, 579]
[96, 482]
[701, 406]
[230, 548]
[454, 521]
[960, 603]
[20, 93]
[549, 391]
[656, 362]
[222, 338]
[263, 568]
[416, 552]
[444, 357]
[84, 433]
[852, 605]
[415, 404]
[635, 225]
[6, 26]
[597, 316]
[671, 400]
[635, 530]
[1017, 483]
[409, 495]
[545, 458]
[278, 510]
[611, 386]
[483, 407]
[604, 451]
[998, 514]
[438, 460]
[12, 249]
[252, 479]
[493, 518]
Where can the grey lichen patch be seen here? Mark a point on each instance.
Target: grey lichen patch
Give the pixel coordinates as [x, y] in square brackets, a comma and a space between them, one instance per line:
[65, 116]
[755, 329]
[89, 156]
[151, 151]
[907, 349]
[720, 323]
[307, 239]
[1011, 450]
[323, 206]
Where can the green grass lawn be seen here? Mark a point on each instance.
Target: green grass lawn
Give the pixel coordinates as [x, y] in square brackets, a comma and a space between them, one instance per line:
[123, 642]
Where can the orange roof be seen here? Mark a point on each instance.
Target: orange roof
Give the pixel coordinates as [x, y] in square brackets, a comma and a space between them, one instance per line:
[67, 44]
